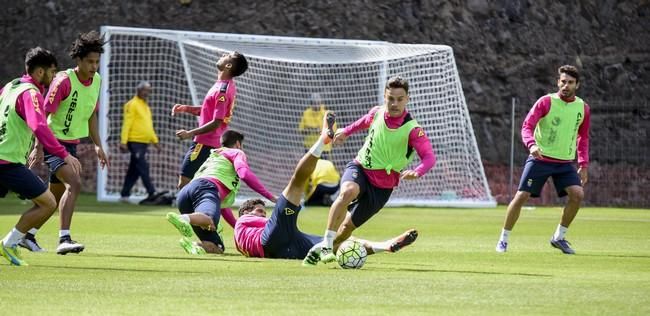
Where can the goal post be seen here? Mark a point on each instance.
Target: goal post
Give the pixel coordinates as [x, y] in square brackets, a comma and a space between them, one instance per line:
[271, 96]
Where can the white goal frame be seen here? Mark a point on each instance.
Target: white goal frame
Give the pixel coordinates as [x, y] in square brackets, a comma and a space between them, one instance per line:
[383, 55]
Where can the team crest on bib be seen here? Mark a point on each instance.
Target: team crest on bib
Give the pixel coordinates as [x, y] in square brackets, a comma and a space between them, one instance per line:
[288, 211]
[529, 182]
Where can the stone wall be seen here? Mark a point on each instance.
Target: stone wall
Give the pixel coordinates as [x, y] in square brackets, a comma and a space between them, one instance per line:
[504, 48]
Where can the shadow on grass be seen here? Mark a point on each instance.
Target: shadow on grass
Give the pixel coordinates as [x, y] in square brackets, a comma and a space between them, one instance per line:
[410, 268]
[614, 256]
[227, 257]
[117, 269]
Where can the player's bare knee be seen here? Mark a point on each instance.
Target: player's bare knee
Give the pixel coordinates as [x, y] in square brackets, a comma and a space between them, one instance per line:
[348, 193]
[46, 202]
[576, 195]
[521, 197]
[73, 185]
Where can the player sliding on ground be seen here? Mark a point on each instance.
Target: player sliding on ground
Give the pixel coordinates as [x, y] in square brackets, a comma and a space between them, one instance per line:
[279, 236]
[213, 189]
[369, 179]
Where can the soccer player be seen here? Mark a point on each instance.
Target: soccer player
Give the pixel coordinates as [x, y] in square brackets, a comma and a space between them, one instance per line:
[137, 134]
[214, 187]
[214, 115]
[310, 122]
[72, 106]
[393, 137]
[555, 129]
[21, 118]
[279, 236]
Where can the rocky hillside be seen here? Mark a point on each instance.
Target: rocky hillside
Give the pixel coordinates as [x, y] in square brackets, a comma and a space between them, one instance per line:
[504, 48]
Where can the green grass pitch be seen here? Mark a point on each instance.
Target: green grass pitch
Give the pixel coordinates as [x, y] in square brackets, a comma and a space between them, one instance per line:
[133, 265]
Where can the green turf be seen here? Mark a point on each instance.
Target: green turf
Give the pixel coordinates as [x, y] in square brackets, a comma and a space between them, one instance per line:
[133, 265]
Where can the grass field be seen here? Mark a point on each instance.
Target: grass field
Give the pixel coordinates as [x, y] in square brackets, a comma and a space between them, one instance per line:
[133, 266]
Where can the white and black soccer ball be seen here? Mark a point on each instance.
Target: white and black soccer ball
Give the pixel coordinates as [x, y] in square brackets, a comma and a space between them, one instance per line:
[351, 255]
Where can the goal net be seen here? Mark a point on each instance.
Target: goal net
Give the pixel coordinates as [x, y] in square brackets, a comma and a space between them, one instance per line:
[283, 73]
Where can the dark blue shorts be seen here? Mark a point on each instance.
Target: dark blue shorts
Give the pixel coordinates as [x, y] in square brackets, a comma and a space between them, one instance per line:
[281, 237]
[536, 172]
[370, 200]
[17, 178]
[201, 196]
[55, 162]
[322, 195]
[194, 158]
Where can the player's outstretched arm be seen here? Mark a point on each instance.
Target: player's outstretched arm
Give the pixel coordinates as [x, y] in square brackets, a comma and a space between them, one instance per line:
[182, 108]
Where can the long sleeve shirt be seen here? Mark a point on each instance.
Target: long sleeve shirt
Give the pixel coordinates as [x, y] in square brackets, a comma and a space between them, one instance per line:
[417, 140]
[539, 110]
[29, 106]
[137, 125]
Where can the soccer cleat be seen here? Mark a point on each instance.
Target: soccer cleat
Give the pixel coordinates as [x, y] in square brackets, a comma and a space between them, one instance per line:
[404, 240]
[502, 246]
[12, 254]
[29, 242]
[312, 258]
[191, 247]
[563, 245]
[328, 126]
[67, 245]
[327, 255]
[183, 227]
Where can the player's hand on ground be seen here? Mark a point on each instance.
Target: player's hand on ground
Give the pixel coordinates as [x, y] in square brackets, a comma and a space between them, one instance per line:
[183, 134]
[73, 162]
[178, 108]
[339, 138]
[536, 152]
[583, 175]
[101, 156]
[124, 148]
[409, 175]
[35, 157]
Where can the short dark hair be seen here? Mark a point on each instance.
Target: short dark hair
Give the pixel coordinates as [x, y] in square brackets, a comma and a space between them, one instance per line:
[230, 138]
[398, 82]
[240, 64]
[249, 205]
[86, 43]
[569, 70]
[39, 57]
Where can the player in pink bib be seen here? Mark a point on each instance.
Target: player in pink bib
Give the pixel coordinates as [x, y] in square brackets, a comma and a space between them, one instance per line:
[214, 115]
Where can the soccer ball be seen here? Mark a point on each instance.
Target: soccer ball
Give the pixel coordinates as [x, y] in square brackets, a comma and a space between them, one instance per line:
[351, 255]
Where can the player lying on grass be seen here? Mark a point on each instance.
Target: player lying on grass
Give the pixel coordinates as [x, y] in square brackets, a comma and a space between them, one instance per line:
[215, 186]
[279, 236]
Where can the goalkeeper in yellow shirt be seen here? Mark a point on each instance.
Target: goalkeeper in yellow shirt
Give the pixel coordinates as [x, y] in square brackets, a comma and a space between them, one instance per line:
[137, 134]
[323, 184]
[311, 121]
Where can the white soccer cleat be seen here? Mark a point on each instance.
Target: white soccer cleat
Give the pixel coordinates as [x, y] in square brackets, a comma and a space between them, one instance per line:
[502, 246]
[29, 242]
[67, 245]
